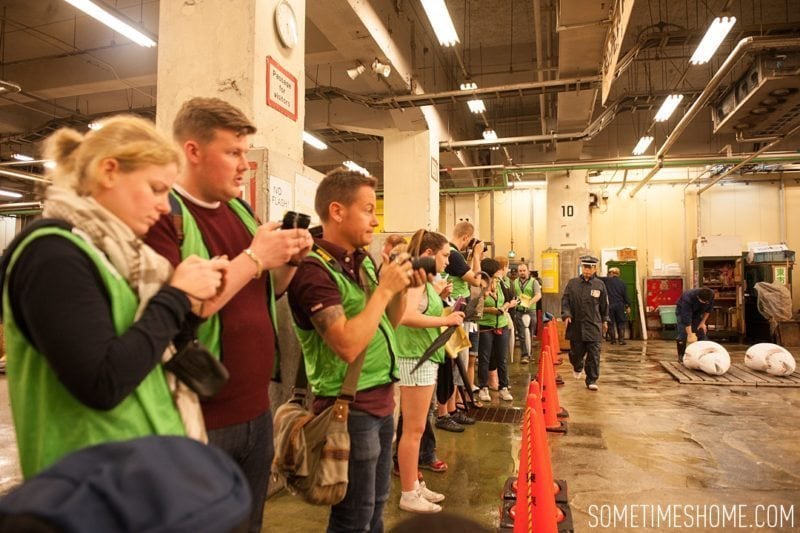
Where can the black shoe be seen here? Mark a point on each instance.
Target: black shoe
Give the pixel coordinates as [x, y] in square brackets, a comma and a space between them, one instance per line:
[612, 341]
[524, 360]
[448, 424]
[622, 342]
[462, 418]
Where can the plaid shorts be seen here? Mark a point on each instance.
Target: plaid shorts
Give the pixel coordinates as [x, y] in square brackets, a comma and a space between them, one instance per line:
[425, 374]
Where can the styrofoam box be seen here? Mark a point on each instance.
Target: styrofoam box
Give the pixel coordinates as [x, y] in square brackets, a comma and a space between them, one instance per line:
[719, 245]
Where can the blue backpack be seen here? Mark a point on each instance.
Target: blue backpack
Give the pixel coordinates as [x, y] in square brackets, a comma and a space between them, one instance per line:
[151, 484]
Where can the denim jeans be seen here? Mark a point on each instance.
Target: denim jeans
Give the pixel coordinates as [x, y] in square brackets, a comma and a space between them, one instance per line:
[250, 445]
[368, 471]
[492, 348]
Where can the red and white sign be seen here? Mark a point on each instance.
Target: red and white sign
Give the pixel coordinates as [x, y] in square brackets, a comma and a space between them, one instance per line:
[281, 89]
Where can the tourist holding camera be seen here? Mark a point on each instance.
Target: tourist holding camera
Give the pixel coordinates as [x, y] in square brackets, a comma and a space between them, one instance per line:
[89, 310]
[240, 326]
[418, 328]
[463, 271]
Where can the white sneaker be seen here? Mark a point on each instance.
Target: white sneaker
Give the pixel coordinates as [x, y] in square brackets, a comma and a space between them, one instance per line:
[577, 375]
[505, 395]
[484, 395]
[415, 503]
[592, 386]
[428, 494]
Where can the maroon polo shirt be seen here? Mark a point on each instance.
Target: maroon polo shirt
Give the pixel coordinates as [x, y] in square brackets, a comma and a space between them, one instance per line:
[248, 337]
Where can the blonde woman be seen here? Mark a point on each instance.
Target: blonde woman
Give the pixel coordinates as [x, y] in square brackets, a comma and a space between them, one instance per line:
[90, 311]
[418, 328]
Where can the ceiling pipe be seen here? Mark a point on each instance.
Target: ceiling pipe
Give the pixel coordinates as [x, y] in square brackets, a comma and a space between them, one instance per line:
[745, 46]
[632, 163]
[537, 28]
[595, 127]
[447, 97]
[748, 159]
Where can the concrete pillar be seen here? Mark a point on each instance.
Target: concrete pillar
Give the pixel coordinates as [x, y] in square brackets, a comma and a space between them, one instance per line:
[567, 209]
[220, 49]
[410, 181]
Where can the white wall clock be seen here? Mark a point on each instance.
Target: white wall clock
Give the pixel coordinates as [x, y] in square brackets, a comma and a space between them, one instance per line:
[286, 24]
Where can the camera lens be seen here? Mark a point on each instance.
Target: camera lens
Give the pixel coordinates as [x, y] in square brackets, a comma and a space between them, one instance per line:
[427, 263]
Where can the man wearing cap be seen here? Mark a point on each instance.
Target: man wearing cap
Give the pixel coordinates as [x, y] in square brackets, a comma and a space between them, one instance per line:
[692, 311]
[584, 309]
[618, 304]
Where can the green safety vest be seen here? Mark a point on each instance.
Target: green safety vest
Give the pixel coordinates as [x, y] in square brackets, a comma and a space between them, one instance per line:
[412, 342]
[325, 369]
[527, 289]
[210, 330]
[460, 287]
[494, 321]
[49, 421]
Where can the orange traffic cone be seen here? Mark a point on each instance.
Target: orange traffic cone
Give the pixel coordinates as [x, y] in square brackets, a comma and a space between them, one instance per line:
[552, 339]
[536, 507]
[523, 512]
[549, 397]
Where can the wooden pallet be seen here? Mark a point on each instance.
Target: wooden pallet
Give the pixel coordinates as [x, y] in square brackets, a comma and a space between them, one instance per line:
[738, 375]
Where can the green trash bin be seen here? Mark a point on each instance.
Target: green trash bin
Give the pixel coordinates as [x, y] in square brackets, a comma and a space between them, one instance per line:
[668, 314]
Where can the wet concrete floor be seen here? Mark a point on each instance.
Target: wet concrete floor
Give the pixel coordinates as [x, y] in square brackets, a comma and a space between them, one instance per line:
[707, 458]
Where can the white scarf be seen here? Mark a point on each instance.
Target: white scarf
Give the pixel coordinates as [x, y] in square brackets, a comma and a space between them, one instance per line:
[144, 270]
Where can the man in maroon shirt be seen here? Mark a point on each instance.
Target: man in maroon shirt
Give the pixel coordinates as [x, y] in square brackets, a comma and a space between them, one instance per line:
[214, 138]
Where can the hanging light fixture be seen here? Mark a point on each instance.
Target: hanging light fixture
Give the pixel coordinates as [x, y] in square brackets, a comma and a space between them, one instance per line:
[114, 20]
[713, 38]
[476, 106]
[313, 141]
[642, 145]
[441, 22]
[356, 71]
[355, 167]
[668, 107]
[468, 86]
[489, 134]
[21, 157]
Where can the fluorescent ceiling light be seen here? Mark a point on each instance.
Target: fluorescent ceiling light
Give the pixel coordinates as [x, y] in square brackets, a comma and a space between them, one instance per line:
[21, 157]
[114, 21]
[712, 39]
[468, 86]
[49, 164]
[355, 167]
[476, 106]
[642, 145]
[10, 194]
[440, 19]
[93, 125]
[489, 134]
[668, 107]
[313, 141]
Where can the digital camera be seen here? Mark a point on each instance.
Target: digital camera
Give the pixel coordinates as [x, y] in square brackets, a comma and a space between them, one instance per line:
[295, 220]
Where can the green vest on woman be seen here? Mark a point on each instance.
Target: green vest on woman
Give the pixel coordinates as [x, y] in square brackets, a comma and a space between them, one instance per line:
[494, 321]
[325, 369]
[49, 421]
[412, 342]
